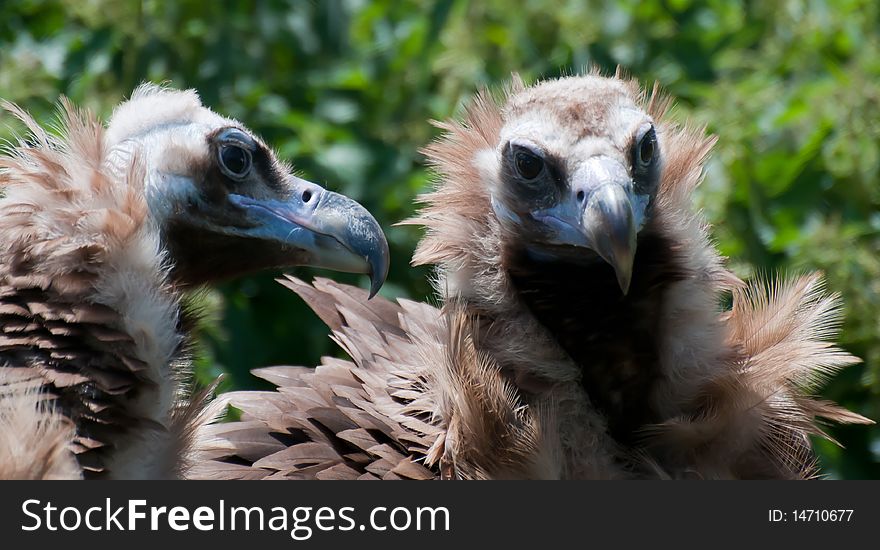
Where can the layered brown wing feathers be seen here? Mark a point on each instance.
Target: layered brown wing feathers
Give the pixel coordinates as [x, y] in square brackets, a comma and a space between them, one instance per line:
[341, 419]
[418, 402]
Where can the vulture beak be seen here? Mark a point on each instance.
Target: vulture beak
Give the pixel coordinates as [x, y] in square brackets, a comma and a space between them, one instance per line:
[601, 213]
[335, 232]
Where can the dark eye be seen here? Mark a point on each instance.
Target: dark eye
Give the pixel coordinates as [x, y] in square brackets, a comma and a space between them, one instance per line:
[646, 151]
[235, 160]
[528, 165]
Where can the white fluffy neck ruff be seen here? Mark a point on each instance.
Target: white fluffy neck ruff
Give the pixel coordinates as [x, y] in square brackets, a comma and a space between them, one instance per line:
[136, 284]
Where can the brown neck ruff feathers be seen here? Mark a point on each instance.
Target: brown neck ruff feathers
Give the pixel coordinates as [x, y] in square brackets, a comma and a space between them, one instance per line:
[543, 368]
[88, 321]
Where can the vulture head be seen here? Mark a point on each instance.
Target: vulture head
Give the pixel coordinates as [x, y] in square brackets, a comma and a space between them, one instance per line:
[225, 205]
[100, 231]
[575, 171]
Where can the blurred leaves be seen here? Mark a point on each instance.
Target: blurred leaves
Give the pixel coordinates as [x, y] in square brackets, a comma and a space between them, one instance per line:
[344, 88]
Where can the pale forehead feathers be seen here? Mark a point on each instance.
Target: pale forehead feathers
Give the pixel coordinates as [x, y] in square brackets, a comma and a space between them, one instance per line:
[579, 107]
[153, 107]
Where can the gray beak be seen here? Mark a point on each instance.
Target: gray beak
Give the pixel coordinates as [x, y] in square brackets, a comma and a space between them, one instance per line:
[608, 224]
[600, 214]
[334, 231]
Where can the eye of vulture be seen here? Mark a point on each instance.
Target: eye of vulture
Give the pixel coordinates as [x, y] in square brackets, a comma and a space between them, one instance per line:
[581, 334]
[100, 231]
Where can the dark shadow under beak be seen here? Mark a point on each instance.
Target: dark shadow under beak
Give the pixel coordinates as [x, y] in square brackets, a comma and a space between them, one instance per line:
[334, 231]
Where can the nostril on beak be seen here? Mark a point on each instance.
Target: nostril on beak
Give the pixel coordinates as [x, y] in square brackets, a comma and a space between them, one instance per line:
[307, 196]
[581, 196]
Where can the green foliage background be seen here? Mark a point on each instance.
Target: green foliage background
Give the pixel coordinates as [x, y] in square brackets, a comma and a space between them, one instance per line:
[344, 88]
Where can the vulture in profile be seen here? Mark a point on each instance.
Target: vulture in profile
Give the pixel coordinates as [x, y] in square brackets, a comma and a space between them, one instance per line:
[582, 332]
[102, 232]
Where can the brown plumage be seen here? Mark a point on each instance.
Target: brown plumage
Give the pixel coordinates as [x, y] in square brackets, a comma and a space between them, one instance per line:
[101, 232]
[581, 334]
[45, 452]
[336, 421]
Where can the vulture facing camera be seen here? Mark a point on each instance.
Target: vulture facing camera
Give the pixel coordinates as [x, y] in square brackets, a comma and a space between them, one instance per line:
[101, 230]
[581, 333]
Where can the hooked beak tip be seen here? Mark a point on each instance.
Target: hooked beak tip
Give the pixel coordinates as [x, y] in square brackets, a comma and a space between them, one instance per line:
[612, 229]
[379, 262]
[624, 279]
[335, 231]
[374, 289]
